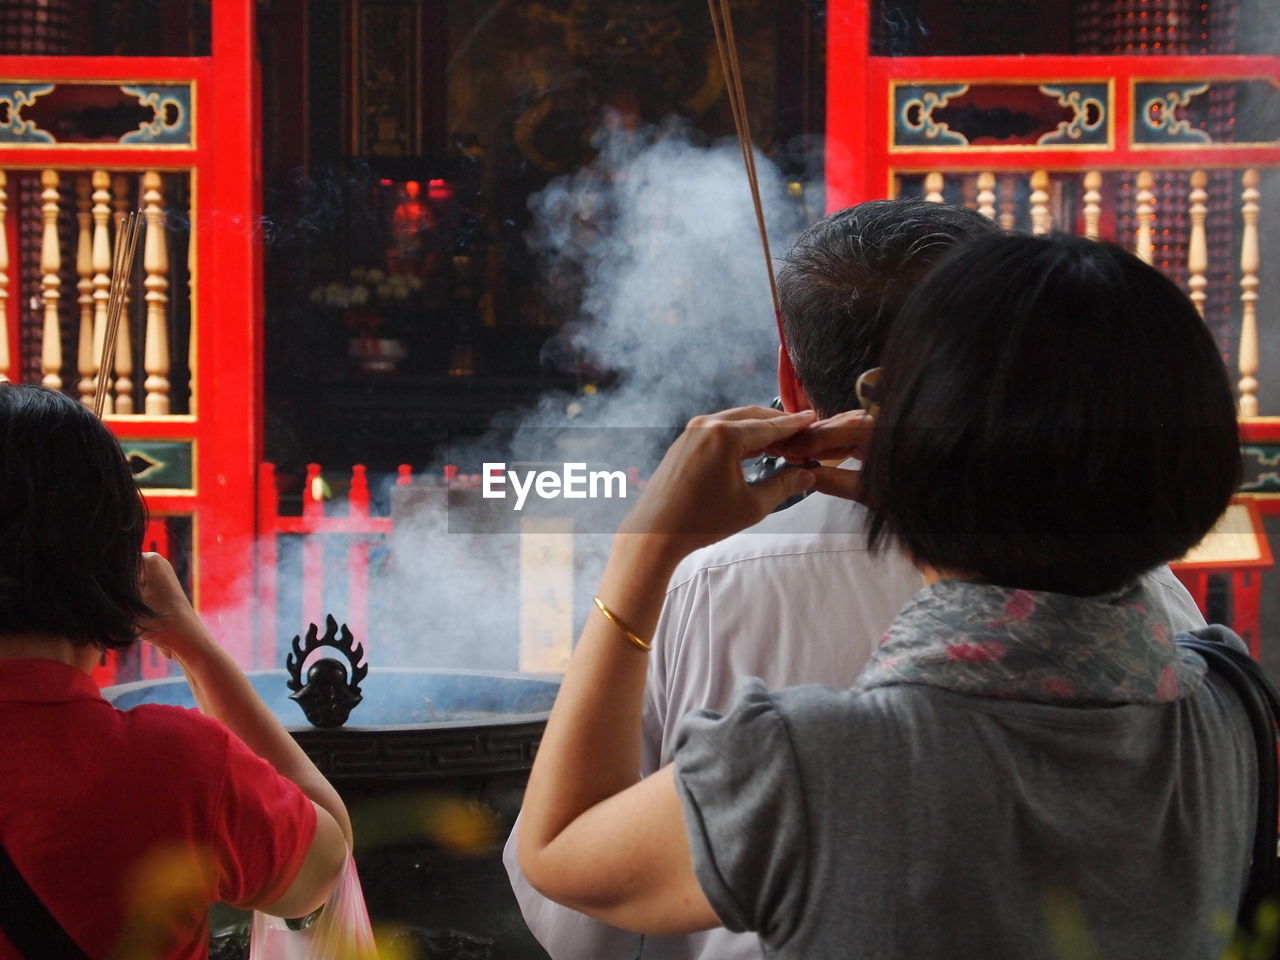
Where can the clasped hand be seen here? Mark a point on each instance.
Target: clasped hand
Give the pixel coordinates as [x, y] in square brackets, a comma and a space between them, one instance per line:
[175, 628]
[698, 494]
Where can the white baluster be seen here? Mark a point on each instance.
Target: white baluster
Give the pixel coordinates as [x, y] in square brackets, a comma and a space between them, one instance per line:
[987, 195]
[1092, 203]
[1041, 222]
[101, 272]
[155, 262]
[50, 282]
[1144, 245]
[933, 184]
[1249, 259]
[1198, 245]
[124, 342]
[1008, 202]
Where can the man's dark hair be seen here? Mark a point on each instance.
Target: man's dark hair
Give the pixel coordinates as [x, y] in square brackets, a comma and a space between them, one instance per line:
[844, 280]
[1054, 416]
[71, 523]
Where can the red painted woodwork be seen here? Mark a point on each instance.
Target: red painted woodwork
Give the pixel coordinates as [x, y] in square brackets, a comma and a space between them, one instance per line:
[152, 664]
[226, 294]
[1246, 581]
[348, 537]
[860, 161]
[1260, 430]
[229, 347]
[1246, 602]
[11, 308]
[236, 499]
[849, 138]
[863, 118]
[1246, 598]
[358, 556]
[312, 546]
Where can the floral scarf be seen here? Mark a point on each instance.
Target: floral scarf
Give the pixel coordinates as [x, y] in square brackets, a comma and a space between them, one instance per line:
[1052, 648]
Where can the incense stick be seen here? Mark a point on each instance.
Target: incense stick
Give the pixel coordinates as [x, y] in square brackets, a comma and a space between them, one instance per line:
[121, 269]
[726, 43]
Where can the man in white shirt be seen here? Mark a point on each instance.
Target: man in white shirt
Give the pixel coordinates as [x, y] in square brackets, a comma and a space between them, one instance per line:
[798, 598]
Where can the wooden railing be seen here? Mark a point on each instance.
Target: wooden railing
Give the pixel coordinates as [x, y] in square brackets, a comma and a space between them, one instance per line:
[79, 212]
[317, 561]
[349, 535]
[1047, 207]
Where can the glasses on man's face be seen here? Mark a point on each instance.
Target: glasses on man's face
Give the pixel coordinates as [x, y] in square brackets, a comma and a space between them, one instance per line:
[865, 390]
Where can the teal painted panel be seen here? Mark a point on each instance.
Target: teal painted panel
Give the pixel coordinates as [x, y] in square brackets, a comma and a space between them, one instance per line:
[1090, 106]
[1261, 468]
[14, 128]
[172, 123]
[913, 123]
[161, 464]
[162, 112]
[1155, 113]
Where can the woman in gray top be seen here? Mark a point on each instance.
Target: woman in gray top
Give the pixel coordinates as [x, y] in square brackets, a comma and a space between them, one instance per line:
[1029, 767]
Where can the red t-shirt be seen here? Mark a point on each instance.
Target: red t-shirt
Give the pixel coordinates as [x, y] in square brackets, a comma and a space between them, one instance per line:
[129, 824]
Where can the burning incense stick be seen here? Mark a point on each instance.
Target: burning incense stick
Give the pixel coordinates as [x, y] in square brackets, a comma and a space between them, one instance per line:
[726, 43]
[121, 269]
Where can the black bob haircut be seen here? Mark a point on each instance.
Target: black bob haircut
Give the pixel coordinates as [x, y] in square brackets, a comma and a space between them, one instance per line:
[1055, 416]
[71, 523]
[845, 278]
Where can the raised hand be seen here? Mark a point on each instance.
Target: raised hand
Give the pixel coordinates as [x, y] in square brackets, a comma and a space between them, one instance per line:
[699, 495]
[175, 628]
[838, 437]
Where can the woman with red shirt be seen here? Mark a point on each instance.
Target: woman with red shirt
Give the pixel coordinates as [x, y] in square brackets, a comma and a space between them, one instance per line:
[127, 825]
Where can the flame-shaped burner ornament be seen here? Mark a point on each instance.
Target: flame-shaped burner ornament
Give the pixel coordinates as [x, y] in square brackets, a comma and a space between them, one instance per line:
[327, 697]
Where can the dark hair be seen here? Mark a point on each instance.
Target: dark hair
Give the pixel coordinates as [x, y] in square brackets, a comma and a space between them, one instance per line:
[1055, 416]
[843, 281]
[71, 523]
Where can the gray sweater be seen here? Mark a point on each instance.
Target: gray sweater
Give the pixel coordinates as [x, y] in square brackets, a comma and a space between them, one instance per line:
[913, 821]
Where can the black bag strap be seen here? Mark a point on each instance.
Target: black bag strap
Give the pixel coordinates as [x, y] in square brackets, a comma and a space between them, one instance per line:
[27, 922]
[1262, 705]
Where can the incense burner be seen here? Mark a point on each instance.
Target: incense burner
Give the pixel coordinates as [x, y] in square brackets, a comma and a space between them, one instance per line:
[329, 693]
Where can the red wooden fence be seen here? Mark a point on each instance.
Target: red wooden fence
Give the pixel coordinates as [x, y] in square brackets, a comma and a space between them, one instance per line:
[318, 528]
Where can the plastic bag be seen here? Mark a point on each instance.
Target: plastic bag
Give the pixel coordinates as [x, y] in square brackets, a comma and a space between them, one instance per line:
[341, 932]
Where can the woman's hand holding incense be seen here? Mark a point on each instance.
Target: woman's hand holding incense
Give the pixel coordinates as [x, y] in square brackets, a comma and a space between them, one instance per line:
[836, 438]
[698, 494]
[593, 836]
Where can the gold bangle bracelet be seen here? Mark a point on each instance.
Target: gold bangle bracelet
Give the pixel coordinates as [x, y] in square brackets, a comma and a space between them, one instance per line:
[631, 637]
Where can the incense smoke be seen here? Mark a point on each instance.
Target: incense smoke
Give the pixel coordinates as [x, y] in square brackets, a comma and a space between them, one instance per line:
[653, 253]
[674, 292]
[657, 243]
